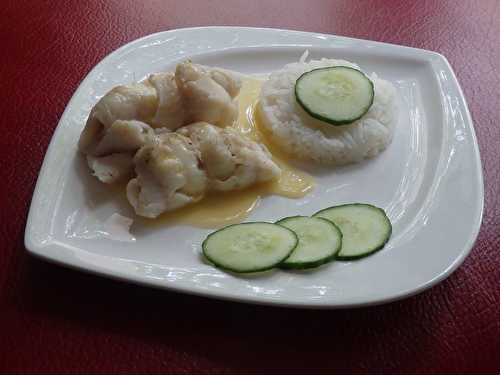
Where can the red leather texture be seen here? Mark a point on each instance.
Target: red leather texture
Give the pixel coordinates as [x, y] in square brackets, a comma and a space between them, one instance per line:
[58, 321]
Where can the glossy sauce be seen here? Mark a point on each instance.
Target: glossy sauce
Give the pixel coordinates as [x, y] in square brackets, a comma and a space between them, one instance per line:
[221, 209]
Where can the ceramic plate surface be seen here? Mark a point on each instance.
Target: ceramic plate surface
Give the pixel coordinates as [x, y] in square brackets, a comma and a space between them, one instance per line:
[429, 180]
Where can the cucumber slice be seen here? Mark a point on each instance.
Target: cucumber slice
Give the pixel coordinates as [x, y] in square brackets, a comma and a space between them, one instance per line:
[337, 95]
[365, 228]
[319, 241]
[249, 247]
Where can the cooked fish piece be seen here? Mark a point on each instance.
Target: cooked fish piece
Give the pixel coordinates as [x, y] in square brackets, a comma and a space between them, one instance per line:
[133, 104]
[208, 93]
[227, 79]
[111, 168]
[169, 176]
[179, 168]
[121, 136]
[170, 112]
[113, 127]
[231, 161]
[163, 100]
[110, 152]
[194, 93]
[136, 101]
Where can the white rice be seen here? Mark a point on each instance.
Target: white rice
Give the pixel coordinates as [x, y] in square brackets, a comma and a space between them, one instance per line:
[306, 138]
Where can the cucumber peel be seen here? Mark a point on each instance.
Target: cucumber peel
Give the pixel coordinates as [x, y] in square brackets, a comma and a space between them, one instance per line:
[337, 95]
[365, 228]
[249, 247]
[319, 242]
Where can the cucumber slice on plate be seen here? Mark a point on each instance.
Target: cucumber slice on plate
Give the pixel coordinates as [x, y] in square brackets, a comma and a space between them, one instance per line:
[365, 228]
[337, 95]
[319, 241]
[249, 247]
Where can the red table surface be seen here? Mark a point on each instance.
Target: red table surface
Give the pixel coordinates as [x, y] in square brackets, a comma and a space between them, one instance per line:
[58, 321]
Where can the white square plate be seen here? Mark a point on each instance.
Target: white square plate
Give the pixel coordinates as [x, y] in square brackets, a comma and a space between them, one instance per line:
[429, 180]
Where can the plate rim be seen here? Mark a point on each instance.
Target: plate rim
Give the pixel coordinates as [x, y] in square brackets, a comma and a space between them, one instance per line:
[46, 251]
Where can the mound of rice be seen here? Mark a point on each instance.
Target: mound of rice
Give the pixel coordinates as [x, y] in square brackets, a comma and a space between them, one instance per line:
[306, 138]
